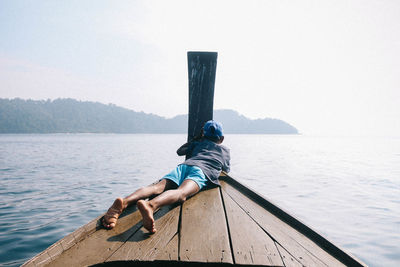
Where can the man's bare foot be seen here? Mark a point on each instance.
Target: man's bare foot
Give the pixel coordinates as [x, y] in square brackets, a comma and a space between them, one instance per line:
[113, 213]
[147, 214]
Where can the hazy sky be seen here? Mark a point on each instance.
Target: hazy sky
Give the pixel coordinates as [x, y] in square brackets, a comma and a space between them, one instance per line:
[323, 66]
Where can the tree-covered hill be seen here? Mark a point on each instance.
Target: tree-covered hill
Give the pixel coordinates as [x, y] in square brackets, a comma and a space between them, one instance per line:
[72, 116]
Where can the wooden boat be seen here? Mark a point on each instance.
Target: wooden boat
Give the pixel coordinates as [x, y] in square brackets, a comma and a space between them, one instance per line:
[222, 226]
[230, 225]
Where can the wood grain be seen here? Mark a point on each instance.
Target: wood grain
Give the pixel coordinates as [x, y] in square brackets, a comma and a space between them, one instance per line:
[250, 244]
[302, 248]
[203, 233]
[288, 259]
[99, 245]
[202, 70]
[170, 251]
[143, 246]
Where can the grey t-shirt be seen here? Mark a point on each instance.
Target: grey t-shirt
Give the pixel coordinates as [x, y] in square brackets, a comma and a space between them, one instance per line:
[210, 157]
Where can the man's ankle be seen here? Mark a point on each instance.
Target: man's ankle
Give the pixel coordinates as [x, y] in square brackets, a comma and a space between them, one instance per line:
[151, 205]
[124, 204]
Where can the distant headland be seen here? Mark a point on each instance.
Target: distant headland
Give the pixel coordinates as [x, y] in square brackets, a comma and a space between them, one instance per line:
[73, 116]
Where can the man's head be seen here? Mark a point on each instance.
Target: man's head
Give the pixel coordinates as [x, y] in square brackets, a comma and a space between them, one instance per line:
[213, 131]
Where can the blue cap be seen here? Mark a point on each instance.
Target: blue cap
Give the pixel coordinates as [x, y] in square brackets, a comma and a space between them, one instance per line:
[213, 129]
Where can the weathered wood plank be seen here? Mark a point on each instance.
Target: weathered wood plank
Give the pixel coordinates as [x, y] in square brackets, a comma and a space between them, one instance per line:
[288, 260]
[63, 244]
[326, 245]
[43, 259]
[302, 248]
[170, 252]
[99, 245]
[55, 251]
[250, 244]
[29, 264]
[145, 247]
[201, 69]
[203, 233]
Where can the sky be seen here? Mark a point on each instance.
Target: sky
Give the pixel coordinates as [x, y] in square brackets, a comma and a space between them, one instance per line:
[326, 67]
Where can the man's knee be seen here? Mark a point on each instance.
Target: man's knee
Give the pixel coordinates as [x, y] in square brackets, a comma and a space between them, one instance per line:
[158, 188]
[182, 196]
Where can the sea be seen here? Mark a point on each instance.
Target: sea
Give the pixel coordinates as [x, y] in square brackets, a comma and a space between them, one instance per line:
[346, 188]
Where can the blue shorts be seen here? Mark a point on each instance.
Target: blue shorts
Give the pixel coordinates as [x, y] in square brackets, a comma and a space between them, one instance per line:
[183, 172]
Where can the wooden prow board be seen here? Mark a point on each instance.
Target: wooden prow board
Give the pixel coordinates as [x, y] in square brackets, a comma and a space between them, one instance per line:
[202, 70]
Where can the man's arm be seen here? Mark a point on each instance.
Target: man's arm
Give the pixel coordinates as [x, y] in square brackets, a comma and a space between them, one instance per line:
[183, 150]
[227, 166]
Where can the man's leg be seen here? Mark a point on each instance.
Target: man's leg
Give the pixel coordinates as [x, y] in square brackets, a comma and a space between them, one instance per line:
[120, 204]
[186, 189]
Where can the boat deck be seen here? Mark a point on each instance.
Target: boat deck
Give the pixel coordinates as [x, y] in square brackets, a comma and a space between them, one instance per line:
[222, 226]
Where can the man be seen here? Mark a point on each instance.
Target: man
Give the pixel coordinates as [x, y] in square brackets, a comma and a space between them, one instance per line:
[206, 158]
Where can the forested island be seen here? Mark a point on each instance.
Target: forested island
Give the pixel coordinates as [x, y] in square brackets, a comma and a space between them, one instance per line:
[73, 116]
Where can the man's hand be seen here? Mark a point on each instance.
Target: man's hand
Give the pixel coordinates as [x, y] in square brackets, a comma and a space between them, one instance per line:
[183, 149]
[199, 136]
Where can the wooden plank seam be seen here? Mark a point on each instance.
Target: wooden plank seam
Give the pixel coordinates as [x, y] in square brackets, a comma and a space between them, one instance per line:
[262, 250]
[227, 226]
[290, 261]
[253, 219]
[179, 232]
[77, 236]
[291, 238]
[139, 226]
[322, 242]
[262, 228]
[280, 254]
[199, 241]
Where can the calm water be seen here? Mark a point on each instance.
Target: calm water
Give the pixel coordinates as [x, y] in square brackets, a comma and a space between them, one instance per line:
[346, 188]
